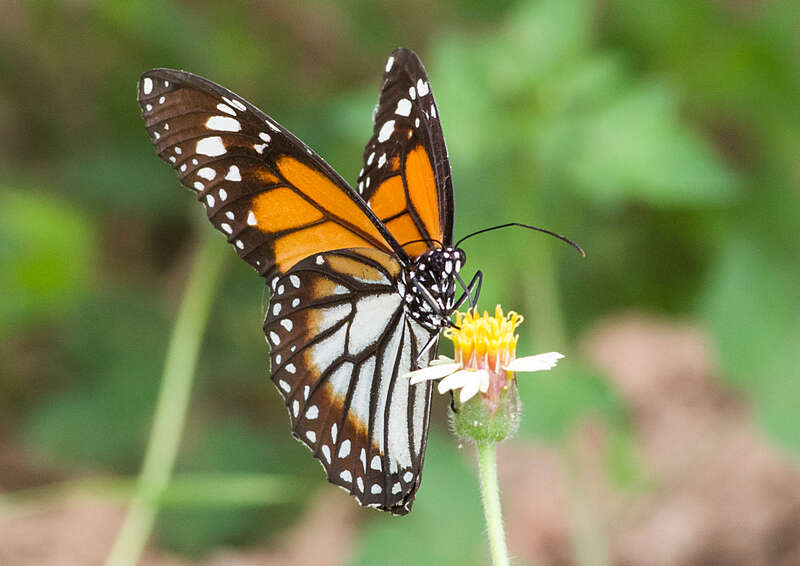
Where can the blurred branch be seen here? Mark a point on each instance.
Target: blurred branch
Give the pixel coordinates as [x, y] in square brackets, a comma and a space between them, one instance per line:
[183, 491]
[173, 401]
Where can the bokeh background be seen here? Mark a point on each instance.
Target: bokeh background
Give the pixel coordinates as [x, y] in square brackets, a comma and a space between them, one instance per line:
[662, 136]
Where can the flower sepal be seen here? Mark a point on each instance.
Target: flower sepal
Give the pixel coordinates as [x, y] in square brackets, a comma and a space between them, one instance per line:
[475, 419]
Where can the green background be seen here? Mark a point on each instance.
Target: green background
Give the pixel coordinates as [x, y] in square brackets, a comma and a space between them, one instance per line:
[661, 136]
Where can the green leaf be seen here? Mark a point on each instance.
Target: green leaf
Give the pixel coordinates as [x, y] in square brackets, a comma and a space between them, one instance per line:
[47, 253]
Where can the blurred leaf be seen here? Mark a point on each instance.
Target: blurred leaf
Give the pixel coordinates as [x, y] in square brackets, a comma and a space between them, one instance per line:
[446, 524]
[228, 446]
[752, 303]
[555, 400]
[47, 252]
[637, 148]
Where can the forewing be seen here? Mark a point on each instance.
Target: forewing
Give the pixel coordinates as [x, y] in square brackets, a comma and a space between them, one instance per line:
[340, 344]
[406, 176]
[274, 199]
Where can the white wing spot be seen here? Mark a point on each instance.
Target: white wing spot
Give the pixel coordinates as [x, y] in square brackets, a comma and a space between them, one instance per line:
[376, 489]
[225, 108]
[276, 309]
[277, 358]
[147, 85]
[178, 150]
[235, 103]
[166, 84]
[396, 488]
[312, 412]
[207, 173]
[265, 136]
[291, 368]
[183, 167]
[344, 449]
[363, 458]
[281, 289]
[272, 126]
[224, 124]
[162, 100]
[233, 174]
[156, 134]
[295, 408]
[320, 260]
[370, 158]
[172, 159]
[284, 385]
[148, 107]
[386, 131]
[366, 184]
[287, 324]
[422, 87]
[295, 302]
[166, 127]
[326, 451]
[389, 63]
[375, 464]
[382, 160]
[311, 435]
[230, 215]
[240, 244]
[412, 92]
[306, 390]
[274, 337]
[210, 200]
[416, 123]
[198, 186]
[333, 432]
[223, 194]
[194, 161]
[408, 476]
[260, 147]
[433, 110]
[403, 107]
[251, 219]
[346, 476]
[212, 147]
[226, 228]
[295, 280]
[360, 482]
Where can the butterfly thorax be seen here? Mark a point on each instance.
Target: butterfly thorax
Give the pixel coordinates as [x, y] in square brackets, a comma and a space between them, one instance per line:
[428, 286]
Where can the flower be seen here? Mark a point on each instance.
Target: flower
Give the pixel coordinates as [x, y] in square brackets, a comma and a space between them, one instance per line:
[486, 363]
[485, 348]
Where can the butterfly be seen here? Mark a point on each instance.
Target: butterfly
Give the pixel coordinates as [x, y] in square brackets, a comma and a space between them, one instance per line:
[362, 279]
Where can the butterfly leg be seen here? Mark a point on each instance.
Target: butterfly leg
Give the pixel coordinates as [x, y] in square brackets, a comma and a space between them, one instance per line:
[431, 341]
[475, 284]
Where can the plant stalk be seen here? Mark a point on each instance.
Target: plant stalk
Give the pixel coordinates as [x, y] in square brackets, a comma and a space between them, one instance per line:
[490, 491]
[172, 404]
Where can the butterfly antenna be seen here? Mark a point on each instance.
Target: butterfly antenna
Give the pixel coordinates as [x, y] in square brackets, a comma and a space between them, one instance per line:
[509, 224]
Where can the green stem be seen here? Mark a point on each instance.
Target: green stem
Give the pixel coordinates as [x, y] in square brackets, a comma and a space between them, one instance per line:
[490, 490]
[172, 404]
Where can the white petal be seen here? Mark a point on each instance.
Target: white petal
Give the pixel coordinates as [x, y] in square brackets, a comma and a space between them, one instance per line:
[457, 380]
[433, 372]
[441, 360]
[535, 363]
[484, 380]
[469, 390]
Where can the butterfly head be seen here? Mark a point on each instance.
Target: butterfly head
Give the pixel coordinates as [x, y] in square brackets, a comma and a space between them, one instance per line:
[428, 286]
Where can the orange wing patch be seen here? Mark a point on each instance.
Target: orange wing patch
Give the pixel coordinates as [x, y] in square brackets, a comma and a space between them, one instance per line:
[326, 236]
[422, 190]
[283, 209]
[327, 195]
[388, 199]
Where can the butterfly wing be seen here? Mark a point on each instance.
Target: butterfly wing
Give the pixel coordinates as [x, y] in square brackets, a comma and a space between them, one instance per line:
[275, 199]
[340, 343]
[406, 177]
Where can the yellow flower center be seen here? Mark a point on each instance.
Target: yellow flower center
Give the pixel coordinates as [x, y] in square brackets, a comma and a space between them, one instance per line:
[483, 341]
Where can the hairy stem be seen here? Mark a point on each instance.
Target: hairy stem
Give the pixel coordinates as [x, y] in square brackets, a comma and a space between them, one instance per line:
[490, 491]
